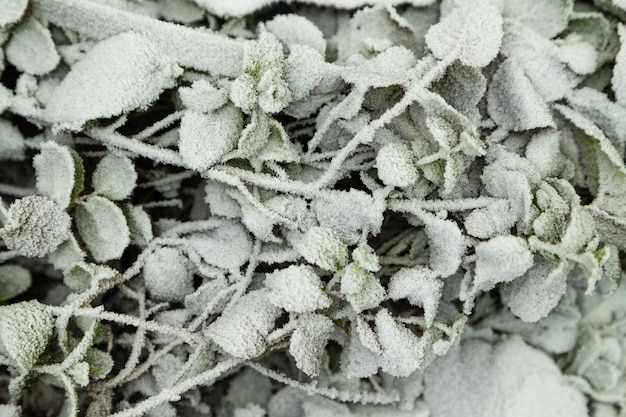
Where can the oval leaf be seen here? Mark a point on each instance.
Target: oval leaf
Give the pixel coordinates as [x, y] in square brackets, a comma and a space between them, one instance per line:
[120, 74]
[103, 228]
[114, 177]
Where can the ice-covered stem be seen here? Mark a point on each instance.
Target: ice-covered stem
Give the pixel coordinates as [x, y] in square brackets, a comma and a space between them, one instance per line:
[125, 319]
[332, 393]
[191, 48]
[174, 393]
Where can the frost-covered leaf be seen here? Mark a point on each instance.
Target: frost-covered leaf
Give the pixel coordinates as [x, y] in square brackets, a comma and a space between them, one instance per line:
[304, 70]
[249, 386]
[496, 218]
[82, 276]
[114, 177]
[167, 275]
[335, 210]
[292, 29]
[546, 17]
[308, 342]
[322, 247]
[402, 351]
[296, 289]
[100, 363]
[357, 361]
[366, 258]
[361, 288]
[204, 296]
[228, 246]
[203, 97]
[59, 173]
[446, 243]
[206, 138]
[463, 87]
[395, 165]
[220, 201]
[472, 33]
[12, 144]
[539, 58]
[507, 378]
[28, 40]
[500, 259]
[619, 71]
[66, 254]
[241, 330]
[102, 226]
[605, 169]
[390, 67]
[255, 135]
[139, 225]
[513, 102]
[36, 226]
[12, 11]
[420, 286]
[544, 151]
[14, 280]
[120, 74]
[25, 329]
[533, 295]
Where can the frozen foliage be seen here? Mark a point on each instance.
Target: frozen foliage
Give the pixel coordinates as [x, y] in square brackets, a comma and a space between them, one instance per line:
[123, 73]
[312, 208]
[25, 329]
[114, 177]
[517, 380]
[297, 289]
[167, 276]
[35, 227]
[30, 39]
[103, 227]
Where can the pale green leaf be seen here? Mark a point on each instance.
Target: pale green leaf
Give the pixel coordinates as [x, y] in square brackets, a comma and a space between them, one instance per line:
[120, 74]
[56, 172]
[114, 177]
[102, 226]
[14, 280]
[25, 329]
[167, 276]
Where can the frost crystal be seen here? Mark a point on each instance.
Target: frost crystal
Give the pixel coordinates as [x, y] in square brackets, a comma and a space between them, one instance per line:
[36, 226]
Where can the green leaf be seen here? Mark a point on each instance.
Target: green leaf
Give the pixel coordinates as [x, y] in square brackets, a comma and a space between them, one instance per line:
[322, 247]
[66, 254]
[139, 225]
[114, 177]
[102, 226]
[56, 171]
[25, 329]
[82, 276]
[100, 363]
[14, 280]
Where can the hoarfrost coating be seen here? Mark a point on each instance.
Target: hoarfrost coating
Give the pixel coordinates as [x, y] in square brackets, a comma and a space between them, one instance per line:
[312, 208]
